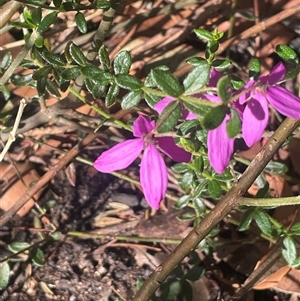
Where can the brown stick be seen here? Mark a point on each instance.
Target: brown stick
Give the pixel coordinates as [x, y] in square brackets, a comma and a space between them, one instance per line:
[46, 178]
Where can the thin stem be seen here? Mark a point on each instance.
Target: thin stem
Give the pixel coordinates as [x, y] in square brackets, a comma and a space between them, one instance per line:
[270, 202]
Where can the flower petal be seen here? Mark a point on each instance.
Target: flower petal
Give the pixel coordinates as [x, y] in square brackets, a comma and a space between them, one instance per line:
[168, 146]
[276, 75]
[161, 105]
[255, 119]
[245, 96]
[214, 77]
[154, 176]
[142, 125]
[284, 101]
[120, 156]
[220, 147]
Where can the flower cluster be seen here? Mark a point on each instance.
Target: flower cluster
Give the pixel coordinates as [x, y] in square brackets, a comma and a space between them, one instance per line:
[252, 107]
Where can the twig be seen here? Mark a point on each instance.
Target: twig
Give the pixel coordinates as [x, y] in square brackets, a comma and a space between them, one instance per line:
[228, 203]
[12, 134]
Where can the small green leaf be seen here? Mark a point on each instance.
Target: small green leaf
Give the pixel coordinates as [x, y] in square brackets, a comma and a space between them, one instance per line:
[129, 82]
[188, 126]
[254, 69]
[57, 3]
[213, 117]
[52, 59]
[51, 86]
[37, 256]
[199, 205]
[204, 34]
[18, 246]
[224, 88]
[186, 216]
[111, 95]
[182, 202]
[198, 164]
[296, 263]
[181, 167]
[81, 22]
[6, 92]
[77, 54]
[197, 78]
[6, 61]
[46, 22]
[196, 61]
[103, 5]
[70, 73]
[4, 274]
[289, 251]
[104, 58]
[96, 74]
[233, 125]
[246, 219]
[287, 53]
[221, 65]
[169, 117]
[187, 179]
[41, 85]
[122, 62]
[171, 291]
[167, 82]
[151, 99]
[131, 99]
[27, 17]
[186, 292]
[22, 25]
[94, 87]
[56, 235]
[263, 221]
[39, 42]
[276, 168]
[296, 229]
[22, 80]
[37, 15]
[195, 273]
[236, 82]
[214, 189]
[42, 72]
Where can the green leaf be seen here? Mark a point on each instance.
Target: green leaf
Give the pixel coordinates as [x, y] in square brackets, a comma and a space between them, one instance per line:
[41, 85]
[296, 263]
[39, 42]
[182, 201]
[167, 82]
[287, 53]
[169, 117]
[131, 99]
[151, 99]
[27, 17]
[52, 87]
[276, 168]
[213, 117]
[263, 192]
[6, 92]
[214, 189]
[4, 274]
[204, 34]
[22, 80]
[22, 25]
[233, 125]
[37, 256]
[186, 216]
[46, 22]
[263, 221]
[42, 72]
[104, 58]
[81, 22]
[129, 82]
[195, 273]
[57, 3]
[199, 205]
[197, 78]
[181, 167]
[52, 59]
[77, 54]
[198, 164]
[295, 229]
[6, 61]
[103, 5]
[36, 15]
[94, 87]
[196, 61]
[111, 95]
[18, 246]
[188, 126]
[70, 73]
[236, 82]
[221, 65]
[186, 292]
[246, 219]
[224, 88]
[289, 251]
[187, 179]
[97, 74]
[171, 291]
[254, 69]
[122, 62]
[195, 107]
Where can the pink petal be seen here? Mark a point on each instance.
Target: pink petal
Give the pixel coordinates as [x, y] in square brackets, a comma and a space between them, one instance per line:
[187, 115]
[168, 146]
[142, 125]
[214, 77]
[255, 119]
[245, 96]
[161, 105]
[276, 75]
[220, 147]
[284, 101]
[120, 156]
[154, 176]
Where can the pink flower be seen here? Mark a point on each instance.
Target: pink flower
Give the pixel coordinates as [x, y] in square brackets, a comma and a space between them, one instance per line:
[153, 171]
[264, 90]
